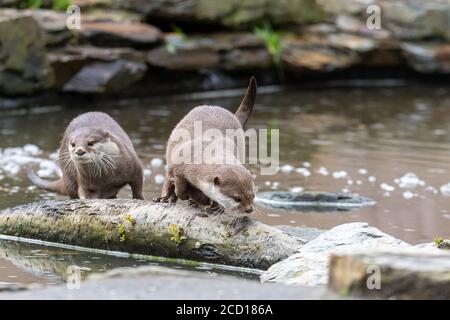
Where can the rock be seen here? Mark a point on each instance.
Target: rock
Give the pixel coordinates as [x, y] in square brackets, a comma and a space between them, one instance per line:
[309, 265]
[320, 201]
[69, 61]
[428, 57]
[23, 65]
[110, 15]
[101, 77]
[216, 51]
[405, 19]
[305, 233]
[444, 245]
[416, 19]
[406, 273]
[320, 59]
[232, 13]
[110, 34]
[153, 282]
[352, 42]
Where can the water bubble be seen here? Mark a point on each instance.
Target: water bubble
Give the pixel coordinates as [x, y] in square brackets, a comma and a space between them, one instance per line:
[387, 187]
[296, 189]
[305, 172]
[323, 171]
[362, 171]
[445, 190]
[287, 168]
[267, 183]
[156, 162]
[306, 164]
[339, 174]
[372, 179]
[409, 181]
[159, 179]
[408, 195]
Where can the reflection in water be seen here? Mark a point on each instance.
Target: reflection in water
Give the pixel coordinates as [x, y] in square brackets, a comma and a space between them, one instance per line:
[340, 140]
[29, 263]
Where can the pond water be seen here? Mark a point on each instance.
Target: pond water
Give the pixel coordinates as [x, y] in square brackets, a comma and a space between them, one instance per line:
[391, 144]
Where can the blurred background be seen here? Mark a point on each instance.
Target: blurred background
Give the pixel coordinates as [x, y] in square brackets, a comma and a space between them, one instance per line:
[147, 47]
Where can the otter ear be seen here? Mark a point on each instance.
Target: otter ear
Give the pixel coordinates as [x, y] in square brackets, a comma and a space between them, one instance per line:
[216, 181]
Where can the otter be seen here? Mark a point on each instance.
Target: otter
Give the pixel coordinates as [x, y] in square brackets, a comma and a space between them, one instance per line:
[220, 184]
[97, 159]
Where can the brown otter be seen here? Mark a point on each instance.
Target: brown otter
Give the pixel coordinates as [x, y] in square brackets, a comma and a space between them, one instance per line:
[225, 183]
[97, 159]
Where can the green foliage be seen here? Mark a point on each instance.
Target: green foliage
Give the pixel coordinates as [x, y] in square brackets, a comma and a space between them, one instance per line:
[438, 240]
[34, 4]
[171, 46]
[272, 39]
[130, 219]
[121, 230]
[176, 234]
[60, 5]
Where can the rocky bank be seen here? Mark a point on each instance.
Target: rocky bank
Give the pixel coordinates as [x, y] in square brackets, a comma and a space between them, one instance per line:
[141, 48]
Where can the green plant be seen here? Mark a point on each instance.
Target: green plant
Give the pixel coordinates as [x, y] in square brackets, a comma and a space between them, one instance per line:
[34, 4]
[60, 5]
[176, 234]
[171, 45]
[438, 240]
[121, 229]
[130, 219]
[272, 39]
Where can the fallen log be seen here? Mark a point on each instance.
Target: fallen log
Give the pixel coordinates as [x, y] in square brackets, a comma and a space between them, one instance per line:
[167, 230]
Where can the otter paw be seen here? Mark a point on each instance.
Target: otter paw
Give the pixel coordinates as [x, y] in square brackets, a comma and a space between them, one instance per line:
[161, 199]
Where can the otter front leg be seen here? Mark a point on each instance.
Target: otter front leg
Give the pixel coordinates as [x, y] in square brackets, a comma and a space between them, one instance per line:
[181, 188]
[168, 191]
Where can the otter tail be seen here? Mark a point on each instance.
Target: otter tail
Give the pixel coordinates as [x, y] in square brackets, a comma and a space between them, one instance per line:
[53, 186]
[245, 109]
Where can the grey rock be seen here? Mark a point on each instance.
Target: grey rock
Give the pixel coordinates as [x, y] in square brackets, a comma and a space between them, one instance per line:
[23, 65]
[428, 57]
[100, 77]
[404, 273]
[305, 233]
[232, 13]
[309, 265]
[111, 34]
[444, 245]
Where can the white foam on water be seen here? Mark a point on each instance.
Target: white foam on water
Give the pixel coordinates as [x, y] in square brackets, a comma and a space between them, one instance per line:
[445, 190]
[340, 174]
[303, 171]
[323, 171]
[409, 195]
[296, 189]
[372, 179]
[156, 162]
[363, 171]
[409, 181]
[387, 187]
[159, 179]
[287, 168]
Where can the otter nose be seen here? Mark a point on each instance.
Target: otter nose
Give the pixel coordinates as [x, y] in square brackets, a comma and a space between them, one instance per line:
[80, 152]
[249, 210]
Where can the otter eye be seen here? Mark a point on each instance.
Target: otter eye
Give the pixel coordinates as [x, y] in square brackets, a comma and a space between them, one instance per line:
[237, 199]
[72, 144]
[90, 143]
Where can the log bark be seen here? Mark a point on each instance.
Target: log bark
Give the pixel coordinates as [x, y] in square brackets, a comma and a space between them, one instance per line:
[167, 230]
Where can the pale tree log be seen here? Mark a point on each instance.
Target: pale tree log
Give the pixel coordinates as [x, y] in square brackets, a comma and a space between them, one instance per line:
[167, 230]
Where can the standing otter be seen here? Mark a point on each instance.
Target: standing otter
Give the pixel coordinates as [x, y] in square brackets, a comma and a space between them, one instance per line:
[219, 179]
[97, 159]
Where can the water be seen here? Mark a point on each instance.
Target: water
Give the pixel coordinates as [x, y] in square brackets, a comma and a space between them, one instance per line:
[388, 144]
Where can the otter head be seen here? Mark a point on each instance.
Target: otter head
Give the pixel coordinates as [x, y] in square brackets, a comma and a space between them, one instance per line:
[86, 145]
[233, 188]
